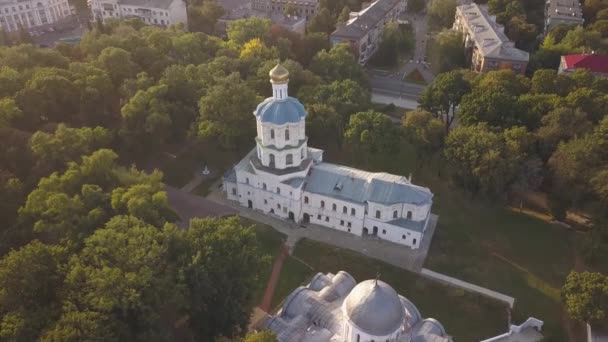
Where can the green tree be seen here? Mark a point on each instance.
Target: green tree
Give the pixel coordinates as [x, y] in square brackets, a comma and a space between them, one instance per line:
[146, 120]
[442, 12]
[124, 270]
[98, 97]
[561, 125]
[261, 336]
[31, 279]
[446, 52]
[203, 18]
[229, 121]
[424, 131]
[485, 161]
[53, 151]
[9, 112]
[118, 63]
[243, 30]
[338, 63]
[221, 262]
[522, 32]
[444, 95]
[371, 133]
[344, 15]
[395, 40]
[585, 296]
[322, 21]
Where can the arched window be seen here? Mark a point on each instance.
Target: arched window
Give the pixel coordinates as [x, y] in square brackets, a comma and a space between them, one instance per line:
[409, 215]
[286, 133]
[264, 186]
[302, 153]
[377, 214]
[278, 191]
[289, 159]
[358, 338]
[344, 210]
[395, 213]
[322, 204]
[333, 207]
[352, 211]
[305, 199]
[271, 157]
[272, 134]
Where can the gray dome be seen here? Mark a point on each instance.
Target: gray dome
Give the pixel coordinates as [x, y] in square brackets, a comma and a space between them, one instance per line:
[375, 308]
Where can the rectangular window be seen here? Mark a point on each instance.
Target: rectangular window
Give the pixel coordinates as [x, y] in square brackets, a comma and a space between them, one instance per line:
[234, 191]
[326, 218]
[333, 207]
[265, 201]
[395, 214]
[348, 224]
[319, 217]
[344, 210]
[352, 211]
[341, 222]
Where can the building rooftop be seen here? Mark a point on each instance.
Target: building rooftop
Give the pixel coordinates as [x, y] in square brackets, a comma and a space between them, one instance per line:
[564, 10]
[489, 37]
[353, 185]
[363, 21]
[280, 111]
[317, 312]
[164, 4]
[593, 62]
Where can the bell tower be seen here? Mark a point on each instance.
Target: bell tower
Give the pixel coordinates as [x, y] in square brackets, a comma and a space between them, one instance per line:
[281, 128]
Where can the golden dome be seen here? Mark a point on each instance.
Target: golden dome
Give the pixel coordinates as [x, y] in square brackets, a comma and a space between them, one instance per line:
[279, 74]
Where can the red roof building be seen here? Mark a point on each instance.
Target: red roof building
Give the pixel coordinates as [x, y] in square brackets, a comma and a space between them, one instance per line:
[597, 64]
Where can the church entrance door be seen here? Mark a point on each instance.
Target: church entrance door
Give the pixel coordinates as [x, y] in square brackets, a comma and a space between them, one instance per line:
[305, 218]
[365, 231]
[249, 204]
[375, 232]
[291, 216]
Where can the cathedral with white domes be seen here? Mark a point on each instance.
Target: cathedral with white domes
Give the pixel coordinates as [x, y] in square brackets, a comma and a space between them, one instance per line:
[334, 308]
[284, 177]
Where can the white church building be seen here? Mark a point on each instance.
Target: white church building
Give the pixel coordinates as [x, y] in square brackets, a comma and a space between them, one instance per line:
[333, 307]
[284, 177]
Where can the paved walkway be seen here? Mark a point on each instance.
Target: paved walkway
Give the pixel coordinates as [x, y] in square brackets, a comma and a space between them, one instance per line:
[468, 286]
[419, 24]
[188, 206]
[266, 304]
[196, 180]
[392, 253]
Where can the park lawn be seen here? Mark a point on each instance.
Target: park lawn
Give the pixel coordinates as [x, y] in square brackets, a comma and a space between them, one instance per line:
[269, 242]
[483, 243]
[293, 274]
[465, 316]
[180, 170]
[516, 254]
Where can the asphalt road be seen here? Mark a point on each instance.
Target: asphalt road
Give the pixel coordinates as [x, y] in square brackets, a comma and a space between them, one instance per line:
[393, 86]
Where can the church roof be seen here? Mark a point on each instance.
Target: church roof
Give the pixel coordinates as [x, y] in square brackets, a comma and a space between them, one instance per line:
[280, 112]
[345, 183]
[375, 308]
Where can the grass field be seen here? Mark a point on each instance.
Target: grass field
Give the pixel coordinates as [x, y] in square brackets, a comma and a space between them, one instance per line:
[483, 243]
[467, 317]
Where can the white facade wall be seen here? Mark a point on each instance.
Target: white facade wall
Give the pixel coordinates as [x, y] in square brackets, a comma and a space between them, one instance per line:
[31, 14]
[275, 136]
[331, 218]
[176, 12]
[352, 333]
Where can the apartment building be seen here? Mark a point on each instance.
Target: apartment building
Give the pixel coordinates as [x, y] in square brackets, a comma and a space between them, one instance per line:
[151, 12]
[485, 42]
[16, 14]
[567, 12]
[363, 31]
[302, 8]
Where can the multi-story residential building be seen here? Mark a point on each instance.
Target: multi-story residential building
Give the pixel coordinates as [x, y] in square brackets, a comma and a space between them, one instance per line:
[485, 41]
[567, 12]
[302, 8]
[594, 63]
[363, 31]
[151, 12]
[29, 14]
[292, 23]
